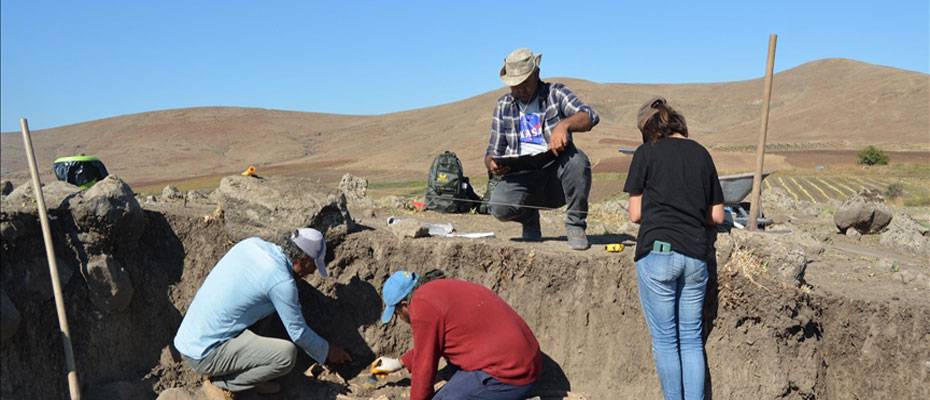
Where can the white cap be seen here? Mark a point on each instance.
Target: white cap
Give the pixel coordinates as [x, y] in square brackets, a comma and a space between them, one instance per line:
[312, 243]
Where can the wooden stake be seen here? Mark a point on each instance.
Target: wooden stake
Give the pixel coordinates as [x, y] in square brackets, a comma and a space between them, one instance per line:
[73, 384]
[754, 205]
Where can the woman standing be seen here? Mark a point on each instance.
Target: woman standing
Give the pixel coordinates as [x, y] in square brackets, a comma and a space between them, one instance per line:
[676, 198]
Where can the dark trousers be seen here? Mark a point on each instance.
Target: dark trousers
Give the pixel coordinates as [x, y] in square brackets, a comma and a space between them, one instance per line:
[565, 181]
[479, 385]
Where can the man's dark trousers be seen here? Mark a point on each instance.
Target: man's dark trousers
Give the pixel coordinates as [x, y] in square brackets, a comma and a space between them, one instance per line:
[565, 181]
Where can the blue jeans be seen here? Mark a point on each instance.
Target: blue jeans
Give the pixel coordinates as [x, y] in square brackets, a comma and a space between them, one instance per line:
[466, 385]
[671, 292]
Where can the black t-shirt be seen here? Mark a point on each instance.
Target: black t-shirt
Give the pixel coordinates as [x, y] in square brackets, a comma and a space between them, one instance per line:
[679, 184]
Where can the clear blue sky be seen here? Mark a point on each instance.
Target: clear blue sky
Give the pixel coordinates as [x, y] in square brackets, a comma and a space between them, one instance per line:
[63, 62]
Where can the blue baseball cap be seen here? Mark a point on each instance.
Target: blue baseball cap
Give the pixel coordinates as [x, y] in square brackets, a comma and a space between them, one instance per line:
[395, 289]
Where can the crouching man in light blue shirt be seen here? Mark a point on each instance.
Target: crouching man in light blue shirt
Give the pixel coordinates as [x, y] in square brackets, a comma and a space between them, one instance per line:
[254, 279]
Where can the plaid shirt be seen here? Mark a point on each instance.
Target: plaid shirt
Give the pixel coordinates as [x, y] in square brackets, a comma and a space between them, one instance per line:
[559, 102]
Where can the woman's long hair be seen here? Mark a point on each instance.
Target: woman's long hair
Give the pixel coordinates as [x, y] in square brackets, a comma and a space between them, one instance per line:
[658, 121]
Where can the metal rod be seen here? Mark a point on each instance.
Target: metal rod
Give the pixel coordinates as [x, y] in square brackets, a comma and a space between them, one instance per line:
[73, 384]
[760, 148]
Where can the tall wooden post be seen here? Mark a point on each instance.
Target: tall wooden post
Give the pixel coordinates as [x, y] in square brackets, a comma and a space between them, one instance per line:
[754, 205]
[73, 384]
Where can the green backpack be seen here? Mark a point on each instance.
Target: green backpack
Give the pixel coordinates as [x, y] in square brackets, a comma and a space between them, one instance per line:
[447, 188]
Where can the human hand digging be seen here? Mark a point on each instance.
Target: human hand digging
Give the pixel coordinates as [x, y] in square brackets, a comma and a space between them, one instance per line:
[385, 365]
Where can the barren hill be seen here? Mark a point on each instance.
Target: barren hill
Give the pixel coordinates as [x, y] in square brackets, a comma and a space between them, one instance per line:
[827, 104]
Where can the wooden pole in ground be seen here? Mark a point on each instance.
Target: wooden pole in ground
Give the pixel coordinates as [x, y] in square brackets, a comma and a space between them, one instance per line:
[73, 384]
[754, 205]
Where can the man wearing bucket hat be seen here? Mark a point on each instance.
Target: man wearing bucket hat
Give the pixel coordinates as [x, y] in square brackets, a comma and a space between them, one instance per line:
[538, 119]
[253, 280]
[495, 352]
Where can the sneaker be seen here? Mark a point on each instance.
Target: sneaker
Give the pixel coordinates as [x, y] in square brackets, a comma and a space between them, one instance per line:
[577, 239]
[213, 392]
[268, 387]
[531, 230]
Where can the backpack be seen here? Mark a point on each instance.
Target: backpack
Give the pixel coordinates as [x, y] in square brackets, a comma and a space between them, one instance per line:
[447, 186]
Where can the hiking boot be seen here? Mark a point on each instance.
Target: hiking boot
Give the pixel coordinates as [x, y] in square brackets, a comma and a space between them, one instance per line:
[267, 388]
[577, 239]
[213, 392]
[531, 230]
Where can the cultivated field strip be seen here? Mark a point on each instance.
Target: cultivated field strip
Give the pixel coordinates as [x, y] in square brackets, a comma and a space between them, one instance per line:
[823, 188]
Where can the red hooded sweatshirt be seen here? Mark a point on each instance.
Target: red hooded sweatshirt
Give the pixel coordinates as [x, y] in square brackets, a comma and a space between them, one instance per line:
[474, 329]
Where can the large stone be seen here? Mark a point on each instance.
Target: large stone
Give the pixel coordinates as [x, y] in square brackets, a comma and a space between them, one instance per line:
[784, 257]
[56, 194]
[408, 228]
[865, 212]
[171, 193]
[905, 233]
[9, 318]
[355, 188]
[109, 284]
[269, 207]
[108, 216]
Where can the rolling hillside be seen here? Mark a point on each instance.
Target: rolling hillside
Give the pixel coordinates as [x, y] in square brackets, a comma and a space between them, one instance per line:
[831, 104]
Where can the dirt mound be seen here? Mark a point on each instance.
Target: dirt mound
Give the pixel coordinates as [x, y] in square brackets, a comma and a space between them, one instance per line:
[766, 337]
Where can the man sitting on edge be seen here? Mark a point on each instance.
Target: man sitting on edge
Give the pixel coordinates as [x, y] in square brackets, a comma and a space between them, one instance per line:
[496, 353]
[254, 279]
[534, 118]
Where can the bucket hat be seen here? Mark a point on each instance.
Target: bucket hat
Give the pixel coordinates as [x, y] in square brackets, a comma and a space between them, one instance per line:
[518, 66]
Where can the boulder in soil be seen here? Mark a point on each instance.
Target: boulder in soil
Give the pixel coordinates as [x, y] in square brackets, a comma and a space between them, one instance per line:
[9, 318]
[409, 228]
[109, 284]
[270, 207]
[194, 196]
[785, 258]
[355, 188]
[108, 216]
[905, 233]
[56, 195]
[865, 212]
[171, 193]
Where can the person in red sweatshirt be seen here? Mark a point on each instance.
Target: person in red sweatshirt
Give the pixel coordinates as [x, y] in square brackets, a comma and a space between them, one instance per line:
[496, 353]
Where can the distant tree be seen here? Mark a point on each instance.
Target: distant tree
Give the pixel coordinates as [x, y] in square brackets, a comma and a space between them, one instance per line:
[873, 156]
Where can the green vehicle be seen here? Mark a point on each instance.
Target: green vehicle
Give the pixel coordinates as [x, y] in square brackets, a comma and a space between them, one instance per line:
[83, 171]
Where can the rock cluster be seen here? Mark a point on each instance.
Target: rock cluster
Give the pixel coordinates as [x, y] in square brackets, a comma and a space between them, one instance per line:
[865, 212]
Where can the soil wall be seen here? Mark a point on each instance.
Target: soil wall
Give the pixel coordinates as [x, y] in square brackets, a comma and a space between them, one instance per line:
[765, 339]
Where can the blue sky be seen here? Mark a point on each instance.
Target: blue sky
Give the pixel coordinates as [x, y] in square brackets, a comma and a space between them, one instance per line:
[69, 62]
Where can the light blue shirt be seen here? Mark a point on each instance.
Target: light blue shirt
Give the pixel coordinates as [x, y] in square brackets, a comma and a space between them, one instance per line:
[250, 282]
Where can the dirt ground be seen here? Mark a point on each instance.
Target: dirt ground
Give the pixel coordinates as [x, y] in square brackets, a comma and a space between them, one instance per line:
[857, 324]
